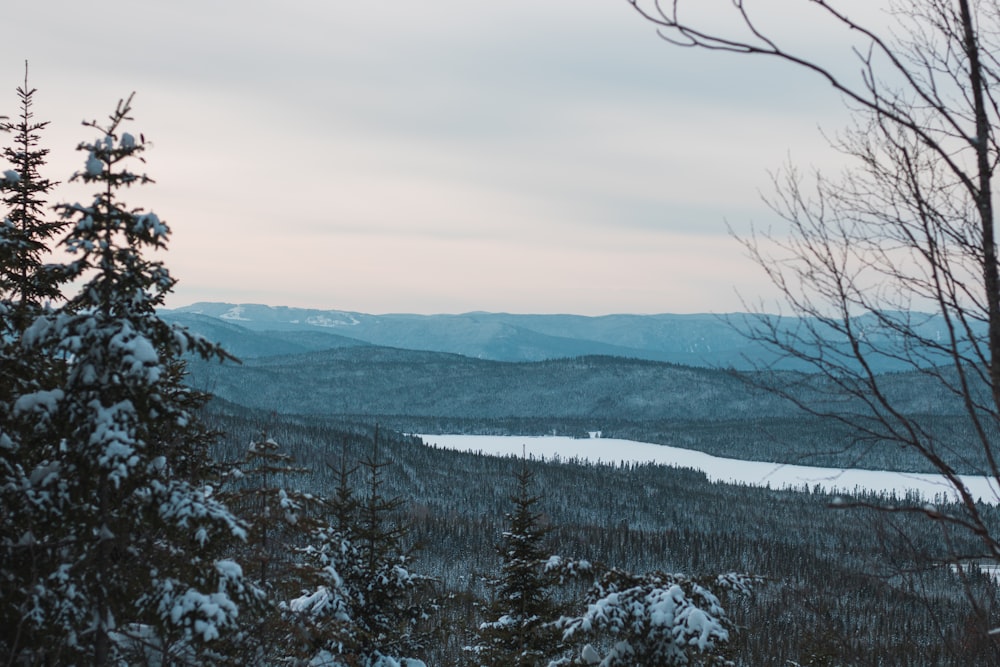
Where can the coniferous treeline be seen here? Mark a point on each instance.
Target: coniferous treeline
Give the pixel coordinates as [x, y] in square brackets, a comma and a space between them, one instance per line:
[860, 586]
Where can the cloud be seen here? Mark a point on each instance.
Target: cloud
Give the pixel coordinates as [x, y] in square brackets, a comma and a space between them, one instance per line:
[429, 154]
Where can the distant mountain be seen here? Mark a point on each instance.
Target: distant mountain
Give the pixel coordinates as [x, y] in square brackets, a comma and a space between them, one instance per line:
[713, 341]
[301, 362]
[245, 343]
[694, 340]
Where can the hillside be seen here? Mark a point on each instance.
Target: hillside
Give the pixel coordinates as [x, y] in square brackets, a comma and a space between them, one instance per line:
[367, 379]
[711, 410]
[828, 573]
[391, 381]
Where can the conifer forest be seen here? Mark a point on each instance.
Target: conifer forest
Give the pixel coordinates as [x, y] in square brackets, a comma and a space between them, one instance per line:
[177, 490]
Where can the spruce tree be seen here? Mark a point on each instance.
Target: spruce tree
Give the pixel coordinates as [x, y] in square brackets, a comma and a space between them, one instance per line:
[27, 231]
[522, 633]
[387, 581]
[655, 620]
[281, 519]
[326, 611]
[25, 285]
[364, 606]
[279, 515]
[345, 504]
[126, 549]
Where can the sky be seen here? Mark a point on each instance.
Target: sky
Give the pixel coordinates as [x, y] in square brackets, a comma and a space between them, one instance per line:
[444, 156]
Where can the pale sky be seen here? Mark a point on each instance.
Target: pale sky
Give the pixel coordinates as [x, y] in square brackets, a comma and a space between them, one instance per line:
[431, 157]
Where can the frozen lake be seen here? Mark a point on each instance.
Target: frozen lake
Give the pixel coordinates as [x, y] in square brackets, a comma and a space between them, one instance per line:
[756, 473]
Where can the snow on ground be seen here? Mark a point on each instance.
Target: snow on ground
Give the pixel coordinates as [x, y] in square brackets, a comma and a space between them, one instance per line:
[235, 313]
[344, 320]
[732, 471]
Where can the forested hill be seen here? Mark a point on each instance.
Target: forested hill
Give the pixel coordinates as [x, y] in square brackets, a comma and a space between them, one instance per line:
[710, 410]
[371, 380]
[389, 381]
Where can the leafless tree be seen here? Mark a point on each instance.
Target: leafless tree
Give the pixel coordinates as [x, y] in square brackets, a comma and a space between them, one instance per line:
[895, 259]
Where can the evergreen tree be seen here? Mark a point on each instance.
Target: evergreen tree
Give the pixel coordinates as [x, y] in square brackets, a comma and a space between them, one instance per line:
[125, 549]
[344, 504]
[25, 284]
[388, 584]
[324, 614]
[364, 607]
[27, 231]
[278, 515]
[522, 634]
[281, 519]
[17, 557]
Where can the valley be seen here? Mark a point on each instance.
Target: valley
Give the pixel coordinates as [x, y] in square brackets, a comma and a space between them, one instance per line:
[713, 410]
[837, 582]
[840, 578]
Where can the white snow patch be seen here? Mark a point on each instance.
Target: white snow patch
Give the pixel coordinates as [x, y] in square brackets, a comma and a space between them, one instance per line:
[614, 451]
[325, 659]
[150, 222]
[345, 320]
[39, 401]
[94, 165]
[235, 313]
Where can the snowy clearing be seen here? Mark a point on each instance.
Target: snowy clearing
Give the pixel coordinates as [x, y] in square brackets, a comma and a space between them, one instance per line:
[732, 471]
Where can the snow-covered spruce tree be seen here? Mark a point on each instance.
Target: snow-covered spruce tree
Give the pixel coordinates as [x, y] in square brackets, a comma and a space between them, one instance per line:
[17, 558]
[522, 633]
[653, 620]
[324, 615]
[278, 515]
[25, 285]
[26, 233]
[281, 519]
[125, 547]
[364, 606]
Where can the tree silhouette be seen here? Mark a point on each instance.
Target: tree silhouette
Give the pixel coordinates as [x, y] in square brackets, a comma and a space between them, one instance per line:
[895, 259]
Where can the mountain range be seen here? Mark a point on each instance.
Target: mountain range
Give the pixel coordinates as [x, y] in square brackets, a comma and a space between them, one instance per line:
[253, 331]
[490, 366]
[250, 331]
